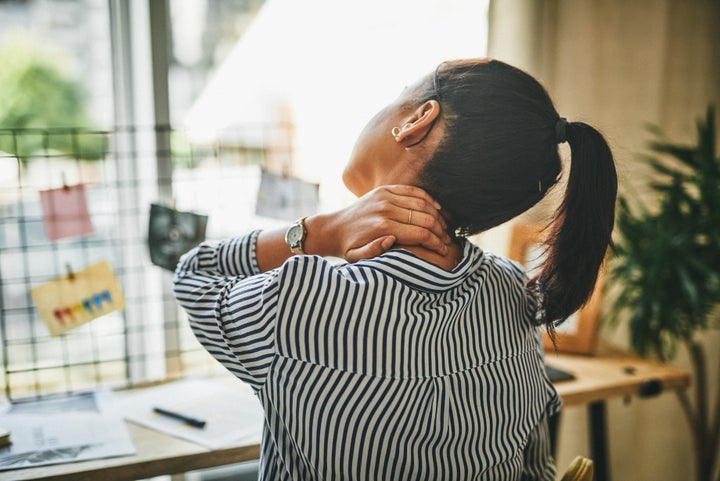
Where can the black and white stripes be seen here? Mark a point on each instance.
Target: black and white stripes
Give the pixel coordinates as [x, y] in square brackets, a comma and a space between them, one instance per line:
[386, 369]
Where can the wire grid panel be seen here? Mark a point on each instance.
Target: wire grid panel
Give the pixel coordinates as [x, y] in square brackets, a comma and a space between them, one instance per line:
[149, 339]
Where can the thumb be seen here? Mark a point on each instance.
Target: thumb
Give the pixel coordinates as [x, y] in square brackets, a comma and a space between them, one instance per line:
[371, 249]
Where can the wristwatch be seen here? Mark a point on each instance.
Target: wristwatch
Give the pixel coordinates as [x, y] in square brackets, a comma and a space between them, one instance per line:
[295, 236]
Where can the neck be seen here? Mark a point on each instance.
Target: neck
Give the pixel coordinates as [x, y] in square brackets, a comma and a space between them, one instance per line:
[404, 169]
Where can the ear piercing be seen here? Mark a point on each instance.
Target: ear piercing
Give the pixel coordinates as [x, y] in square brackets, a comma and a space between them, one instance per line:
[395, 132]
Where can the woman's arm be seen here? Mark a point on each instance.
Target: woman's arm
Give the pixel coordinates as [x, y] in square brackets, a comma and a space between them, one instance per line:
[231, 307]
[231, 289]
[365, 229]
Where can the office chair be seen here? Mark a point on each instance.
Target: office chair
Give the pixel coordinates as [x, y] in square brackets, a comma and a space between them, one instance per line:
[581, 469]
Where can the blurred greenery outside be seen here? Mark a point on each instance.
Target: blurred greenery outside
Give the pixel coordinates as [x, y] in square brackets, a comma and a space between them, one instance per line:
[43, 107]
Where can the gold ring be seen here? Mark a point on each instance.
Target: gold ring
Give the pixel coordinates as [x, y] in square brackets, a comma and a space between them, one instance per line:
[410, 216]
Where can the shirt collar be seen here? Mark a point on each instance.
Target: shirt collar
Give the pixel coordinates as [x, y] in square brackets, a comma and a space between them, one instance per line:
[420, 274]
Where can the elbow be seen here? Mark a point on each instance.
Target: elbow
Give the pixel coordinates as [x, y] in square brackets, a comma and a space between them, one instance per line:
[182, 278]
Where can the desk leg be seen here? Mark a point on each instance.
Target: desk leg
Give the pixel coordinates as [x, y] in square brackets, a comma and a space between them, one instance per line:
[598, 440]
[553, 422]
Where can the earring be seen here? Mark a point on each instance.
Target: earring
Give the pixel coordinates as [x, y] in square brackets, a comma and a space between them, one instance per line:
[395, 132]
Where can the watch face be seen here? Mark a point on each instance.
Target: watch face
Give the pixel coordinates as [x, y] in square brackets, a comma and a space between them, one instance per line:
[294, 234]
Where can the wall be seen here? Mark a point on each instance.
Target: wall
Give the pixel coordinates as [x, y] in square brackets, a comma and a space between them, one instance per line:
[619, 65]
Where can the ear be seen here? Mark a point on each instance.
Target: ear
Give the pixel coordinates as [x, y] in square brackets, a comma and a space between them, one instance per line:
[418, 125]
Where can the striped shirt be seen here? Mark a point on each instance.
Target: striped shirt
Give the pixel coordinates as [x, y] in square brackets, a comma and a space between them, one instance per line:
[386, 369]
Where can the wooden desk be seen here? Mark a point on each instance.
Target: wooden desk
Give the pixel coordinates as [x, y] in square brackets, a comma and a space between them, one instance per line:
[597, 379]
[611, 374]
[614, 375]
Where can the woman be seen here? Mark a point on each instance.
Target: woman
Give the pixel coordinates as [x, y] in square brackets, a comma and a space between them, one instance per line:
[419, 358]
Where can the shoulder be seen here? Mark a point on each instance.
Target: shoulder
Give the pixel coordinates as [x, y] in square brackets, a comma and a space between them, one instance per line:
[512, 279]
[506, 268]
[318, 272]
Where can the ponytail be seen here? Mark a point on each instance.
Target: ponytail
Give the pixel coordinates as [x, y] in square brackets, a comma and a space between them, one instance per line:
[581, 229]
[498, 157]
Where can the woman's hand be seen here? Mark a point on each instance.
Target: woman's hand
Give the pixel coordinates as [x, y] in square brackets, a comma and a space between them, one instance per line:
[385, 216]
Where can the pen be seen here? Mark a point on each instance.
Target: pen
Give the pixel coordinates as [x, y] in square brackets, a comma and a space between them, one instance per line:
[198, 423]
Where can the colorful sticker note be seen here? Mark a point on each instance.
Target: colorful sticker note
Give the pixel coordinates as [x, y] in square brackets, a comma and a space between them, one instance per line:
[286, 198]
[72, 300]
[172, 233]
[65, 212]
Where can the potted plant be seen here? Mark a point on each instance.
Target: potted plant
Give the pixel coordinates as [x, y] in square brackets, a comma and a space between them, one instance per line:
[665, 271]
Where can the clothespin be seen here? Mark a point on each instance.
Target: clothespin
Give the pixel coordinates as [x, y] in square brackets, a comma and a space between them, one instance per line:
[173, 206]
[64, 181]
[70, 273]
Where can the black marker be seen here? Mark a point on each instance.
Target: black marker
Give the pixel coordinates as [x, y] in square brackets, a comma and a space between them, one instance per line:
[198, 423]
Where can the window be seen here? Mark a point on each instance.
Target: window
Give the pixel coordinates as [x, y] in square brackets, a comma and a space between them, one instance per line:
[249, 86]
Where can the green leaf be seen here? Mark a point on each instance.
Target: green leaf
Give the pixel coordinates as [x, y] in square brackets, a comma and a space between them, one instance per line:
[662, 168]
[686, 155]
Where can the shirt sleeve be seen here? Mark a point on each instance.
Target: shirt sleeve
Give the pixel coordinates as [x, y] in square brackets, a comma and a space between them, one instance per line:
[539, 464]
[231, 306]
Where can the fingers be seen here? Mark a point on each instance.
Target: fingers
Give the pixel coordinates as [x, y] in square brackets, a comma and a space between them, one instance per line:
[406, 234]
[418, 203]
[373, 249]
[407, 213]
[414, 206]
[410, 197]
[433, 222]
[413, 235]
[412, 191]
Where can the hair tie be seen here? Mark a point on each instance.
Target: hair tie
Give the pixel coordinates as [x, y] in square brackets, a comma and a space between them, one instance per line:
[561, 130]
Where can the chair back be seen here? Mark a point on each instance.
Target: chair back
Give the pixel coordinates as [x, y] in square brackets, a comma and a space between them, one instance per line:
[581, 469]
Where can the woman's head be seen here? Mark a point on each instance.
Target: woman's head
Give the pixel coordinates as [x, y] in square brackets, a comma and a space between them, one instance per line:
[481, 137]
[498, 156]
[486, 151]
[396, 143]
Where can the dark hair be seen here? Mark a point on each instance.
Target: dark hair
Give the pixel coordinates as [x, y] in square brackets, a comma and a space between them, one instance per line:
[499, 157]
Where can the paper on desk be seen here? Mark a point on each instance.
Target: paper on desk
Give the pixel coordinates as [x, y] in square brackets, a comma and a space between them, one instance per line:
[231, 413]
[64, 430]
